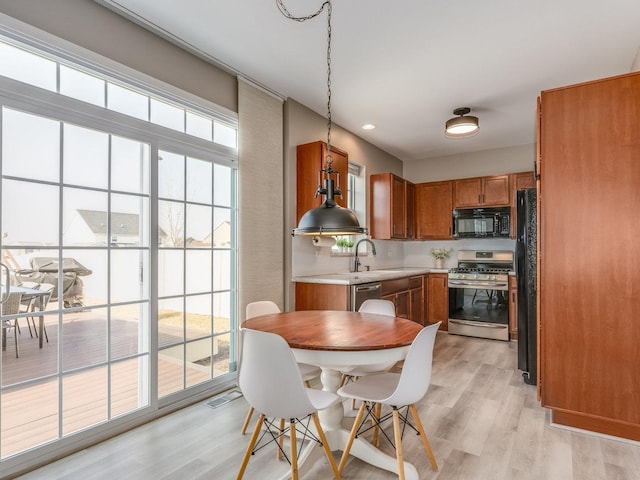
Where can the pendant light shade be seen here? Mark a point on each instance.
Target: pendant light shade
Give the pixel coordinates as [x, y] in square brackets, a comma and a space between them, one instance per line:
[329, 218]
[462, 126]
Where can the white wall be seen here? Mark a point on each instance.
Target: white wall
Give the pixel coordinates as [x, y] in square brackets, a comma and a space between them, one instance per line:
[476, 164]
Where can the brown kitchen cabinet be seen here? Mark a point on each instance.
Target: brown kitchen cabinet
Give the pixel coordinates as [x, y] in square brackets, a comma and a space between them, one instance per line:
[433, 208]
[513, 308]
[438, 299]
[321, 296]
[519, 181]
[397, 291]
[416, 299]
[391, 200]
[523, 181]
[310, 159]
[407, 294]
[482, 192]
[588, 326]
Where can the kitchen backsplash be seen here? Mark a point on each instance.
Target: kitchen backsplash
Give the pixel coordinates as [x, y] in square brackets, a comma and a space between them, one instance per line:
[311, 260]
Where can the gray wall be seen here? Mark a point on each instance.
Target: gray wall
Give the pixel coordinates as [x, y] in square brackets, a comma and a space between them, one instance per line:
[260, 198]
[475, 164]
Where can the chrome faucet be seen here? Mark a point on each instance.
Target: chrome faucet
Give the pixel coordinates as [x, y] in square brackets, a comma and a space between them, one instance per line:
[356, 261]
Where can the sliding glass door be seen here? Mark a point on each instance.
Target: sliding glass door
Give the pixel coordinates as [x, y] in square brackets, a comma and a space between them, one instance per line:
[75, 218]
[117, 213]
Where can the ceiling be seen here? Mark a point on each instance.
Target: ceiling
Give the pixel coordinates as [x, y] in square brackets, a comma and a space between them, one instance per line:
[406, 65]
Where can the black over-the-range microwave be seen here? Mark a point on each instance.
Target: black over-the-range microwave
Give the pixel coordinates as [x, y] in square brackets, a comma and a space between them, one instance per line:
[482, 222]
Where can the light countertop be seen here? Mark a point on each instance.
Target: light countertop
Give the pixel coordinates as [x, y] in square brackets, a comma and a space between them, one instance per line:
[366, 277]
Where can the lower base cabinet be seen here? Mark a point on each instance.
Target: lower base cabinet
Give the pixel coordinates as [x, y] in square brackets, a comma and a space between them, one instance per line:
[437, 300]
[408, 294]
[321, 296]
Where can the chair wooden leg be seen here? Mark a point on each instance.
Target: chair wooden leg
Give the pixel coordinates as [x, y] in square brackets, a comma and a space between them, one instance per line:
[377, 410]
[252, 443]
[325, 446]
[352, 436]
[397, 434]
[423, 436]
[247, 419]
[281, 439]
[353, 400]
[294, 449]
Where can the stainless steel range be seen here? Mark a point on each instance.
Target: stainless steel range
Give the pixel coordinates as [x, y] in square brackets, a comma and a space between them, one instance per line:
[478, 294]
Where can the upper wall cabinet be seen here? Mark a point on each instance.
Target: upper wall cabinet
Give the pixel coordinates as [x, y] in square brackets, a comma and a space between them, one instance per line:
[433, 210]
[523, 181]
[391, 200]
[481, 192]
[519, 181]
[310, 159]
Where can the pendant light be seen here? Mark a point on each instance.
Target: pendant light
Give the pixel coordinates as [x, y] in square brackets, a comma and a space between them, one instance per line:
[462, 126]
[329, 218]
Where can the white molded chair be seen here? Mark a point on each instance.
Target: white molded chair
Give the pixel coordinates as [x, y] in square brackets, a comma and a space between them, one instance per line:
[380, 307]
[308, 372]
[271, 382]
[396, 390]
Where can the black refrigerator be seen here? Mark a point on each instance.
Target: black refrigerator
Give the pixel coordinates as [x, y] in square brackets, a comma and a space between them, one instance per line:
[526, 226]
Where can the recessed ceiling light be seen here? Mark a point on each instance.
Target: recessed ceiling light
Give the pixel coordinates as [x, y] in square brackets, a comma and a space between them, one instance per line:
[368, 126]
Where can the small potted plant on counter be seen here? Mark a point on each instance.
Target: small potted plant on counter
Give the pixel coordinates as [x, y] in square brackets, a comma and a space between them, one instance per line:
[348, 245]
[441, 254]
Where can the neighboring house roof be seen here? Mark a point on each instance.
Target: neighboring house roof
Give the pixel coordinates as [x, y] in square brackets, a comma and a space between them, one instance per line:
[121, 223]
[221, 234]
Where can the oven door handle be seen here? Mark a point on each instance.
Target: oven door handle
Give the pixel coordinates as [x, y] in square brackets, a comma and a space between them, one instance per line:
[476, 324]
[479, 286]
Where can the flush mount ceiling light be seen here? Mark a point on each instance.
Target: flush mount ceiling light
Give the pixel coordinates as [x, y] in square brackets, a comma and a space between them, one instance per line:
[462, 126]
[368, 126]
[329, 218]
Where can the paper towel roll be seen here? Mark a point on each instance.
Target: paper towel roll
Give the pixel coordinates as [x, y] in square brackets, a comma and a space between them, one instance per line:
[324, 241]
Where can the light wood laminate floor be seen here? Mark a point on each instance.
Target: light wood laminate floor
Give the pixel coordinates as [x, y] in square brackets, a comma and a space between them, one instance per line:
[482, 421]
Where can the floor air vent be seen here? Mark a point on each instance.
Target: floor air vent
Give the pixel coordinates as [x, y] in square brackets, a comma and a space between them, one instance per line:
[226, 398]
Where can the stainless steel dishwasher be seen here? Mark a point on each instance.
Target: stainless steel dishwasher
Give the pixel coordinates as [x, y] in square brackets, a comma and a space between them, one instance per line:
[362, 292]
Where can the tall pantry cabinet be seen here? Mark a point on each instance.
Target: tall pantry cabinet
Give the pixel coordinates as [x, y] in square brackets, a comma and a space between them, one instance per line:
[589, 255]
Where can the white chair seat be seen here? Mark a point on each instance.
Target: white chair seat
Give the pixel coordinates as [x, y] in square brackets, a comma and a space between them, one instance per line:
[374, 388]
[321, 399]
[308, 372]
[364, 370]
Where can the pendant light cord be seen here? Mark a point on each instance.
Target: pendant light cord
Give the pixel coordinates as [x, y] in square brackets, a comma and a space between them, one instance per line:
[286, 13]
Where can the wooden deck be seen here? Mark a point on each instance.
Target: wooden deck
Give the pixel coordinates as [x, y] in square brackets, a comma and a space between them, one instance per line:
[31, 384]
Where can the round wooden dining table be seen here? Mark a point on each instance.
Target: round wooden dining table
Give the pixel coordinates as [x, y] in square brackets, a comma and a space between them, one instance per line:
[337, 341]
